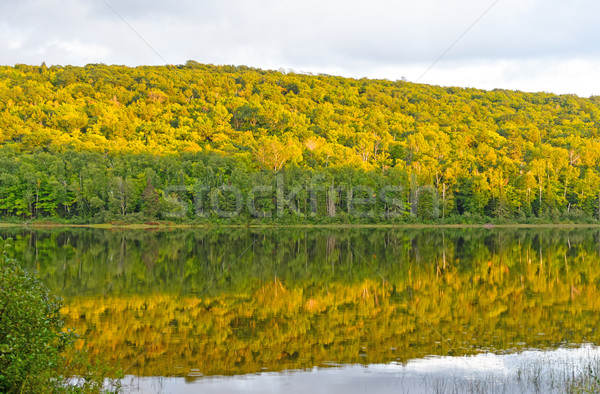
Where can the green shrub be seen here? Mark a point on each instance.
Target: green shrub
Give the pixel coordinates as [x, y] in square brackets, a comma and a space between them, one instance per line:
[33, 340]
[31, 336]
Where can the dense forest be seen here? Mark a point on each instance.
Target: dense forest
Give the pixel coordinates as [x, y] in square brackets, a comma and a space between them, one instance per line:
[220, 143]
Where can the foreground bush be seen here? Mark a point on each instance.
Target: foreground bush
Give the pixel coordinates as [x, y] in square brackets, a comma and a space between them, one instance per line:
[33, 341]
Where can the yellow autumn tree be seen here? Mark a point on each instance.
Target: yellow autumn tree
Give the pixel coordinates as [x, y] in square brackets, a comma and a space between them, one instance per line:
[273, 153]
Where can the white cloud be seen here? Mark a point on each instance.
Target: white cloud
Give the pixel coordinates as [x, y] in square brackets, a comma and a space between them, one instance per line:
[15, 44]
[75, 50]
[562, 76]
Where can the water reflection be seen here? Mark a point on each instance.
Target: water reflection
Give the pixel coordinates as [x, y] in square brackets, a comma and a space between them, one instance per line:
[196, 303]
[553, 371]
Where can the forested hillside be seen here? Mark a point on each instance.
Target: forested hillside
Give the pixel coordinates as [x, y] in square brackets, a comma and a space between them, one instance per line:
[101, 143]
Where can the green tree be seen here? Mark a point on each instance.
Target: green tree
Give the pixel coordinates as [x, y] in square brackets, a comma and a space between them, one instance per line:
[121, 195]
[150, 200]
[427, 205]
[31, 332]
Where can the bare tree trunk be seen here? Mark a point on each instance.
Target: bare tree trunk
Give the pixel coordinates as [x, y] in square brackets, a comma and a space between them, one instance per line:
[540, 211]
[443, 200]
[331, 202]
[122, 194]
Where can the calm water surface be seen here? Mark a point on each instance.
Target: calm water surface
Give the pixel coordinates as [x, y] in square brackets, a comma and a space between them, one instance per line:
[349, 310]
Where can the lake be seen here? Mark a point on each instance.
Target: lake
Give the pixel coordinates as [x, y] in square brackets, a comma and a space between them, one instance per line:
[329, 310]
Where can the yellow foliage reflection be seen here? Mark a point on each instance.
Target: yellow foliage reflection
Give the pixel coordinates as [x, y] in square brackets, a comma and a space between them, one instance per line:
[275, 327]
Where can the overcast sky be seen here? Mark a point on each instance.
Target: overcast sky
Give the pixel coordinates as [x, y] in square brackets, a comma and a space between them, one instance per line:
[529, 45]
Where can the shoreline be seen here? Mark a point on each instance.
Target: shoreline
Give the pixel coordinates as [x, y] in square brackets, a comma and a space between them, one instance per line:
[166, 226]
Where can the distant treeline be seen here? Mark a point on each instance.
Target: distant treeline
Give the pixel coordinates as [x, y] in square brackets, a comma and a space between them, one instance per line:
[101, 143]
